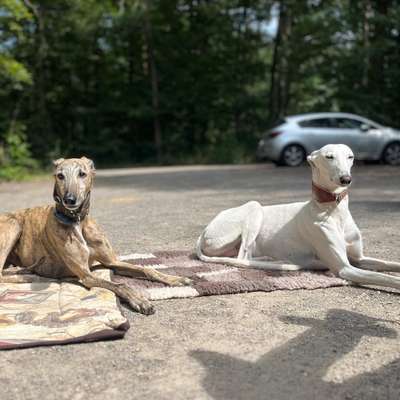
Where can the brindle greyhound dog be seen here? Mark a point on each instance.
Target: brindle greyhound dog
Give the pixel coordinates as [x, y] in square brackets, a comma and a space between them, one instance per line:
[62, 241]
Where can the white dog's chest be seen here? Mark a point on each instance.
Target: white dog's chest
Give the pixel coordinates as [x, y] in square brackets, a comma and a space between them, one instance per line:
[281, 235]
[288, 231]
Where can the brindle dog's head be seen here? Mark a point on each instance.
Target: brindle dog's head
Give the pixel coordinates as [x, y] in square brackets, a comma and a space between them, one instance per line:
[73, 182]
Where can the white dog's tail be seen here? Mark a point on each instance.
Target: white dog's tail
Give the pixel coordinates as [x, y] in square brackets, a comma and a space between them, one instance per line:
[242, 263]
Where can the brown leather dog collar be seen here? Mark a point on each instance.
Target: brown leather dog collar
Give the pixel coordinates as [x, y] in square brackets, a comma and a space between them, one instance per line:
[324, 196]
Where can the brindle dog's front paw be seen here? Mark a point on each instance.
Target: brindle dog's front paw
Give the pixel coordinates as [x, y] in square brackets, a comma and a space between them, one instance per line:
[180, 281]
[146, 308]
[142, 307]
[186, 281]
[136, 301]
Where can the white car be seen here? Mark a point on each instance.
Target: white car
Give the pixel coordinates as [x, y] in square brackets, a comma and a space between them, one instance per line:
[294, 137]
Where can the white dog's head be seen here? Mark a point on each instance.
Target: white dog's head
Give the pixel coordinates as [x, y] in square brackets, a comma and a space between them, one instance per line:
[331, 166]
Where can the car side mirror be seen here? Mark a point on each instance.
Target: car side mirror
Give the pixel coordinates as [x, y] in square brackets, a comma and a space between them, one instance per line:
[364, 127]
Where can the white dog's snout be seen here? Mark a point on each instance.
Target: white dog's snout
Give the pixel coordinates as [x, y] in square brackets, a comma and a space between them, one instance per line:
[345, 179]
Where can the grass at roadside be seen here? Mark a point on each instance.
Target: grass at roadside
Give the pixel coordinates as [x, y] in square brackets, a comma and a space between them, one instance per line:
[18, 174]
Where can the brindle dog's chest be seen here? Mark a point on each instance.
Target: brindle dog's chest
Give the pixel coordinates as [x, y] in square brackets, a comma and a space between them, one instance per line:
[41, 243]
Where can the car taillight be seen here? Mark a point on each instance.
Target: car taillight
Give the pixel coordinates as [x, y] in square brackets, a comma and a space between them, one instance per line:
[274, 134]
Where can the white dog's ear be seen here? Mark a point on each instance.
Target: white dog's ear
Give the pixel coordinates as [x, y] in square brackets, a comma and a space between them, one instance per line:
[57, 162]
[312, 157]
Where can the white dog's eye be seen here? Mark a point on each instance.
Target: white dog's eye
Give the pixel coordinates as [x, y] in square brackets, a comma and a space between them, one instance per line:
[329, 156]
[351, 156]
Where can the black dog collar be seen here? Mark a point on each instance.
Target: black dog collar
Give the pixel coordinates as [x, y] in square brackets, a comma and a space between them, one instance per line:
[70, 217]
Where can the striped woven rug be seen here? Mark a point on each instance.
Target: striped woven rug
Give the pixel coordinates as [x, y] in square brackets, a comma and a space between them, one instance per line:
[214, 279]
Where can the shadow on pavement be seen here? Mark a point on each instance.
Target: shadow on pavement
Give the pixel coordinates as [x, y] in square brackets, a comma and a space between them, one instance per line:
[296, 369]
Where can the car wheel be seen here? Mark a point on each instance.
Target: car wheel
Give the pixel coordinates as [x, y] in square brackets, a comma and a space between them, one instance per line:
[292, 155]
[391, 154]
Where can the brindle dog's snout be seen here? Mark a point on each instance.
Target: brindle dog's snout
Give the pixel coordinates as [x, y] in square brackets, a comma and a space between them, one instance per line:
[345, 179]
[69, 199]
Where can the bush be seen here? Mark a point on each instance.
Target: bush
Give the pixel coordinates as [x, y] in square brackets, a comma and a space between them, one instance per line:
[16, 161]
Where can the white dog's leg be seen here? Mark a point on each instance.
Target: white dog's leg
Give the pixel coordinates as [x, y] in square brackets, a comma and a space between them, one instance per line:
[377, 264]
[364, 277]
[331, 249]
[356, 256]
[250, 229]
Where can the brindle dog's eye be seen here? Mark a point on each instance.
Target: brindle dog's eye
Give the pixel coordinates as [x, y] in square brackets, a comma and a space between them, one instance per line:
[82, 174]
[329, 157]
[60, 176]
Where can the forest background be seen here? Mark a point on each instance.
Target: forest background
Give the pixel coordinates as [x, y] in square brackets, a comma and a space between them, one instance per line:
[184, 81]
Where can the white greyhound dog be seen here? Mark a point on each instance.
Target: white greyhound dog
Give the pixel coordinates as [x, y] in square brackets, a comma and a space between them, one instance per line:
[317, 234]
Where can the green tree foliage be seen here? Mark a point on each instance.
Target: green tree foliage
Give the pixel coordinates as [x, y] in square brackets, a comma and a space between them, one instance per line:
[137, 81]
[13, 74]
[15, 78]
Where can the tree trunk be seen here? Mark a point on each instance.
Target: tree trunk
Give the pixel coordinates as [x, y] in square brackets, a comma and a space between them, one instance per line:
[42, 115]
[280, 82]
[155, 97]
[379, 57]
[240, 55]
[366, 31]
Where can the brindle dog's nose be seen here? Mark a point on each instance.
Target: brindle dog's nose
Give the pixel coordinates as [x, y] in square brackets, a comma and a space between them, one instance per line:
[69, 199]
[345, 180]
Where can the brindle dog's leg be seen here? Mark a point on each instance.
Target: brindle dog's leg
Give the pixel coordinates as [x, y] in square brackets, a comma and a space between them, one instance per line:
[104, 254]
[25, 279]
[10, 231]
[136, 271]
[135, 300]
[75, 255]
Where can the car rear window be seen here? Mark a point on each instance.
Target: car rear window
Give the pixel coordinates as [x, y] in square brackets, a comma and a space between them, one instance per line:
[280, 121]
[276, 123]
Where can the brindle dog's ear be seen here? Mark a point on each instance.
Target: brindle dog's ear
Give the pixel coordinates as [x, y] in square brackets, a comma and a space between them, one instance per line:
[57, 162]
[89, 163]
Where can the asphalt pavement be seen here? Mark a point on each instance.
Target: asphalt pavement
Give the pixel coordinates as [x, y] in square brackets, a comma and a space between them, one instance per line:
[337, 343]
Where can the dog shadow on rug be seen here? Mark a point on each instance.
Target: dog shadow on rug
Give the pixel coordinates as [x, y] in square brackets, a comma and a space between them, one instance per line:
[297, 369]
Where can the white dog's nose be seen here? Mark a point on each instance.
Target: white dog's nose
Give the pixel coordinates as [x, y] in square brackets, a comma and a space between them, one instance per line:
[345, 179]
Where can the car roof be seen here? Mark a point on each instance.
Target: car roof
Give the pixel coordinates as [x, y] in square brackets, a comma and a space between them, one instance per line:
[300, 117]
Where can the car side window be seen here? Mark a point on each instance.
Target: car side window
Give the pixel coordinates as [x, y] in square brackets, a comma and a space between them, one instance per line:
[316, 123]
[346, 123]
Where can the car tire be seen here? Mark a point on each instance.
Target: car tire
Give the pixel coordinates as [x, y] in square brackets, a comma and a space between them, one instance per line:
[293, 155]
[391, 154]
